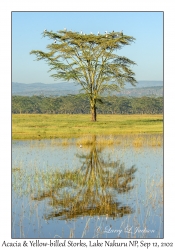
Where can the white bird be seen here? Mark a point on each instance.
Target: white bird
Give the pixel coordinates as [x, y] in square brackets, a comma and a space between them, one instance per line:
[81, 32]
[55, 40]
[98, 33]
[80, 146]
[65, 29]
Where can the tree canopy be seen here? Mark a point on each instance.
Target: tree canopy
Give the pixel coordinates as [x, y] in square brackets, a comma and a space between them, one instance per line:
[89, 60]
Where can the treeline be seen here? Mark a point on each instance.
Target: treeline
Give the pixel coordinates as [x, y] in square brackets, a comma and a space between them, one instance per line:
[79, 104]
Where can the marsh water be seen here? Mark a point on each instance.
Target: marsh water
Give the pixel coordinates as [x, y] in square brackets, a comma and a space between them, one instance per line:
[67, 190]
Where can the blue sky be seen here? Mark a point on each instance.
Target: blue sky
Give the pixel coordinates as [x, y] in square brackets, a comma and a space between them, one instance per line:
[146, 27]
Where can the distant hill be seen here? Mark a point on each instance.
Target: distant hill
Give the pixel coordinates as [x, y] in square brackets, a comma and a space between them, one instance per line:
[139, 92]
[143, 88]
[57, 89]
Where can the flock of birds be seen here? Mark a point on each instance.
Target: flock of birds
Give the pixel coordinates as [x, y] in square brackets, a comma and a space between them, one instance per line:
[81, 32]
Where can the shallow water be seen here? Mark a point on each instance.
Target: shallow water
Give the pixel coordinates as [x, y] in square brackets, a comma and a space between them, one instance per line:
[89, 192]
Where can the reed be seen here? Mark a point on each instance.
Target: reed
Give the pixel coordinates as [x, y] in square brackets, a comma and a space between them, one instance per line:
[85, 141]
[106, 141]
[65, 142]
[138, 142]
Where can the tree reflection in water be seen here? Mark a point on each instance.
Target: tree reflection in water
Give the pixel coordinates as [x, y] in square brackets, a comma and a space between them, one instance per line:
[91, 190]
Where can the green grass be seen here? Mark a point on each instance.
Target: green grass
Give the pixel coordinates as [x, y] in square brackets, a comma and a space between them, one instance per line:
[42, 126]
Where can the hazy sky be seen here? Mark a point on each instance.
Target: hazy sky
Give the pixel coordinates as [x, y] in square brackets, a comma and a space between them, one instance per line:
[146, 27]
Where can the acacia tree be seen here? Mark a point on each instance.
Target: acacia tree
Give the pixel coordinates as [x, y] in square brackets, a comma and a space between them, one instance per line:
[89, 60]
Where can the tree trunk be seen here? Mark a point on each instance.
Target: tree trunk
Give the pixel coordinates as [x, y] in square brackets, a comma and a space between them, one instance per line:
[93, 113]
